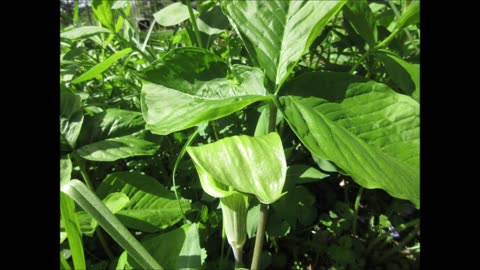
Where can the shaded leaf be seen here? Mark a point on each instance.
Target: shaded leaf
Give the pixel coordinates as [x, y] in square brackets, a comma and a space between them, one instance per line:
[302, 174]
[281, 31]
[151, 207]
[404, 74]
[192, 86]
[212, 22]
[253, 165]
[65, 169]
[331, 86]
[295, 205]
[362, 19]
[71, 119]
[373, 135]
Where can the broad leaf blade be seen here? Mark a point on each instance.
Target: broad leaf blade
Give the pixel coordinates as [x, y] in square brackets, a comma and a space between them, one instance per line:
[101, 67]
[111, 123]
[151, 207]
[72, 227]
[281, 31]
[373, 135]
[117, 148]
[178, 249]
[404, 74]
[253, 165]
[172, 14]
[192, 86]
[92, 205]
[84, 31]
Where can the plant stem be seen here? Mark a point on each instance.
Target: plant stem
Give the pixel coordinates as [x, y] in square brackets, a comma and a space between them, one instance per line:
[262, 218]
[194, 24]
[356, 206]
[388, 39]
[362, 58]
[262, 221]
[214, 129]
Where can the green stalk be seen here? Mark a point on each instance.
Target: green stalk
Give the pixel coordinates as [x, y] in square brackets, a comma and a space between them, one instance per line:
[388, 39]
[257, 252]
[362, 58]
[262, 218]
[356, 206]
[194, 24]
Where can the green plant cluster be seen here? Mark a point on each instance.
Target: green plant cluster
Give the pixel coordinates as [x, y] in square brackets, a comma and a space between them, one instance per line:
[241, 134]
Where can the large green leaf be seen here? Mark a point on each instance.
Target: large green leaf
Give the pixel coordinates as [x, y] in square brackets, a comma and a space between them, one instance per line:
[151, 207]
[178, 249]
[253, 165]
[117, 148]
[104, 13]
[101, 67]
[72, 228]
[83, 31]
[111, 123]
[404, 74]
[281, 31]
[172, 14]
[362, 19]
[373, 135]
[92, 205]
[192, 86]
[71, 119]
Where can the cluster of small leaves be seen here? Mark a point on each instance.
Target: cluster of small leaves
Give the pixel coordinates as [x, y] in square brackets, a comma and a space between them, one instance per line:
[343, 77]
